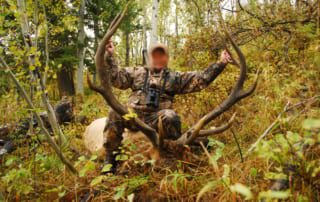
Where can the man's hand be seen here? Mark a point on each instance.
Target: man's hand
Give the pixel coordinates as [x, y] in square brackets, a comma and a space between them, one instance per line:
[225, 58]
[110, 48]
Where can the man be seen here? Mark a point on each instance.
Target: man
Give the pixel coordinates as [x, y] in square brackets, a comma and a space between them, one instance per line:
[153, 90]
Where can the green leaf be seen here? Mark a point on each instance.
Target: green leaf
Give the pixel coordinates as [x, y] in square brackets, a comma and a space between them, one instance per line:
[11, 160]
[120, 192]
[274, 194]
[82, 158]
[97, 180]
[32, 68]
[106, 168]
[309, 124]
[243, 190]
[253, 172]
[226, 173]
[89, 166]
[131, 115]
[275, 176]
[122, 157]
[94, 157]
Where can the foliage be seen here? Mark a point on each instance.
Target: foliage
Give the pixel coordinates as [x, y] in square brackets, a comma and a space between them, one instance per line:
[279, 37]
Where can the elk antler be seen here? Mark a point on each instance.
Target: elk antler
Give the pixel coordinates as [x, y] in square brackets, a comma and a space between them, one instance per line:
[235, 96]
[106, 88]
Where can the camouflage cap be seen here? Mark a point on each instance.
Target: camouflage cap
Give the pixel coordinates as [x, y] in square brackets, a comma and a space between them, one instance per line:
[159, 46]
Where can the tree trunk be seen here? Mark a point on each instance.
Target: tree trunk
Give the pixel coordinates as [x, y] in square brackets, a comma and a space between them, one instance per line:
[39, 120]
[65, 81]
[154, 22]
[81, 49]
[46, 45]
[29, 43]
[127, 38]
[145, 40]
[176, 19]
[96, 31]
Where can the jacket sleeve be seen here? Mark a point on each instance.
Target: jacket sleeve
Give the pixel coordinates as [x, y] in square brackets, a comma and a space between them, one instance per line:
[189, 82]
[121, 78]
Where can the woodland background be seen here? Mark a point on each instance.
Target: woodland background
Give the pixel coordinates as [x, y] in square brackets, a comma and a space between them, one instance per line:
[58, 39]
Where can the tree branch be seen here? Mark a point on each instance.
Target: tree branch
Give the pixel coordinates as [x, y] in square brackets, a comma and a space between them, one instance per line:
[37, 116]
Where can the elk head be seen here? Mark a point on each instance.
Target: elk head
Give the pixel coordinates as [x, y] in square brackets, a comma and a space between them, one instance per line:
[237, 94]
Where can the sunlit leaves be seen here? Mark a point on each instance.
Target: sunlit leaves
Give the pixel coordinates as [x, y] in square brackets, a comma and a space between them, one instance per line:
[47, 163]
[130, 186]
[86, 165]
[291, 153]
[18, 180]
[131, 115]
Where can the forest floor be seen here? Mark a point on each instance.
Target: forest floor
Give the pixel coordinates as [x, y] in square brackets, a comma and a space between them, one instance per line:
[34, 172]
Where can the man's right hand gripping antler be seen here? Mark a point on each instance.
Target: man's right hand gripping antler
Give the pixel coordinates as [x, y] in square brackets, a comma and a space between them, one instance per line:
[110, 48]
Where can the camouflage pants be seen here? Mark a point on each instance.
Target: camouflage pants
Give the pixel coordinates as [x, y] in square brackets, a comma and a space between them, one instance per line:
[116, 124]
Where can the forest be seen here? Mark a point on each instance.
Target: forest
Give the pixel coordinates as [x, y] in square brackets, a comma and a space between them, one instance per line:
[242, 79]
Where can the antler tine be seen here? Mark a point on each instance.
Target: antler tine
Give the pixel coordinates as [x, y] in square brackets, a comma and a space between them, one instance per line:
[220, 129]
[111, 30]
[114, 21]
[252, 88]
[92, 86]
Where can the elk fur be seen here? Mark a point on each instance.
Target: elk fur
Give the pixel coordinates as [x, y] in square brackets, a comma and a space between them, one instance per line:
[93, 139]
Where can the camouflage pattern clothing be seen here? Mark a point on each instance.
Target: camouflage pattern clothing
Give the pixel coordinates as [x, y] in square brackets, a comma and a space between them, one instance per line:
[168, 82]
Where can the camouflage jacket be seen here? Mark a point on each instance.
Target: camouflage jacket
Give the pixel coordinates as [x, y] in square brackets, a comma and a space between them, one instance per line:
[170, 82]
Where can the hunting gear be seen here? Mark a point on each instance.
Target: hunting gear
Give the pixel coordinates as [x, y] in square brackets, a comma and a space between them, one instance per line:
[153, 91]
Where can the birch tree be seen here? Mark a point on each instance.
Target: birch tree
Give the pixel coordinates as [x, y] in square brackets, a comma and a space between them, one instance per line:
[154, 22]
[31, 44]
[81, 49]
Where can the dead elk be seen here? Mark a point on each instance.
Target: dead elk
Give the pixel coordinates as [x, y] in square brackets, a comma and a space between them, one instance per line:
[93, 138]
[12, 132]
[160, 145]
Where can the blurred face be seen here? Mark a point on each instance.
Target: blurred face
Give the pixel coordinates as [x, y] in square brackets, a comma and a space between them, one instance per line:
[159, 59]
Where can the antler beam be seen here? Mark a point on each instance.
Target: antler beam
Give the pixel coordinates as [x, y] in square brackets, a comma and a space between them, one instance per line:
[106, 88]
[235, 96]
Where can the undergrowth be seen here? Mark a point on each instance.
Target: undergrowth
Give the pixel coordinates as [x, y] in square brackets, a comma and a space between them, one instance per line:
[224, 171]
